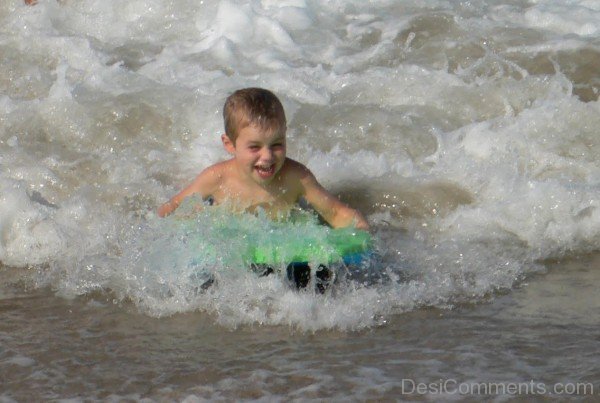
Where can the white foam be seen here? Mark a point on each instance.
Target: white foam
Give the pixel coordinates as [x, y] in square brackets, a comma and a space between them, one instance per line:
[359, 167]
[110, 108]
[28, 235]
[20, 361]
[578, 17]
[537, 157]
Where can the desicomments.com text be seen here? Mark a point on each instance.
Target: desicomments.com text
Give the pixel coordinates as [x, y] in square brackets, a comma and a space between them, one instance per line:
[452, 387]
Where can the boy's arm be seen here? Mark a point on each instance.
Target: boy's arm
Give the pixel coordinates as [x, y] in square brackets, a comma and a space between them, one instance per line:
[336, 213]
[203, 185]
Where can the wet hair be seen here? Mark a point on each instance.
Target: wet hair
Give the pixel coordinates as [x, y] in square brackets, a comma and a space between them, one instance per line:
[252, 106]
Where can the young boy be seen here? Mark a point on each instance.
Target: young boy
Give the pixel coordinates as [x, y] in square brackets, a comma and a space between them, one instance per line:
[259, 174]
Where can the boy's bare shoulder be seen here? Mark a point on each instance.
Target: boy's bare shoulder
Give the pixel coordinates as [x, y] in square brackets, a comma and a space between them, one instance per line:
[298, 178]
[299, 173]
[218, 170]
[212, 177]
[296, 169]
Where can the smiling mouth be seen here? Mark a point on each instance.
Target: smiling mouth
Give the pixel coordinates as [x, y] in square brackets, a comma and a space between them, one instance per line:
[265, 171]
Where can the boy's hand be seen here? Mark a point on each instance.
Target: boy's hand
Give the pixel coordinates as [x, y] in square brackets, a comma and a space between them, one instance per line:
[166, 209]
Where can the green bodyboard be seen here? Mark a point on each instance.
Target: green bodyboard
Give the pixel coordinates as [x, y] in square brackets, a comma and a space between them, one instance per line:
[337, 245]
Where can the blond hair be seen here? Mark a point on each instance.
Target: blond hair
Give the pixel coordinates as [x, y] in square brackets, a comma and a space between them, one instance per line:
[252, 106]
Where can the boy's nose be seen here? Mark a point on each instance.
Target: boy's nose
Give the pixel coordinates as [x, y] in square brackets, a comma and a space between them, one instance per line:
[266, 154]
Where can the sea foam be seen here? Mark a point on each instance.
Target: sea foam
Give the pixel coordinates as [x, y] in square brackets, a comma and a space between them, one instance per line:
[466, 133]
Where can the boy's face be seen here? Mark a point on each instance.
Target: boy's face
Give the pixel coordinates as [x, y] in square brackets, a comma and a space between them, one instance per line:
[259, 154]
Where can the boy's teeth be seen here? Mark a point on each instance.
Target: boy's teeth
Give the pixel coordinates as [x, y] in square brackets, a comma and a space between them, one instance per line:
[264, 171]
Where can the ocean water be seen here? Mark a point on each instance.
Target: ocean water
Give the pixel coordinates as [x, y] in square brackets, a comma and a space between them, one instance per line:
[467, 132]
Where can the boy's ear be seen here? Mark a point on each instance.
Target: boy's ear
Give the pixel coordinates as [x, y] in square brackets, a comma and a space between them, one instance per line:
[228, 144]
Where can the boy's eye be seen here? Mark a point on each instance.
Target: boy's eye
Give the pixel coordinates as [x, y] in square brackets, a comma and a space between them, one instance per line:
[254, 148]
